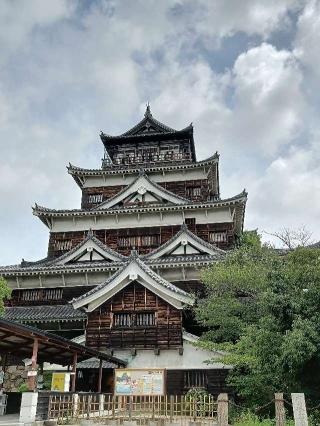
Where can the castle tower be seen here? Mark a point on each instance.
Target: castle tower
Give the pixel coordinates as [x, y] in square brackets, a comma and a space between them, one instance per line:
[123, 271]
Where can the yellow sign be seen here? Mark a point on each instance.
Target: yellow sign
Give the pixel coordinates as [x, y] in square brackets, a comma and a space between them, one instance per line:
[60, 382]
[139, 382]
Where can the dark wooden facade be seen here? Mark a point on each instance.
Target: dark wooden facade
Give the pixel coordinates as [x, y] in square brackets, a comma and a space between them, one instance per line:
[135, 318]
[197, 190]
[143, 239]
[213, 380]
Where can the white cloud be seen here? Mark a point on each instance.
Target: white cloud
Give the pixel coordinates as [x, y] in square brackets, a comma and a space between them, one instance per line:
[289, 192]
[224, 18]
[307, 47]
[268, 99]
[19, 18]
[67, 74]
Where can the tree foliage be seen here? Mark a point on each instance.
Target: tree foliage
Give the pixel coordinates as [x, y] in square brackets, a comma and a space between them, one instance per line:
[4, 293]
[263, 309]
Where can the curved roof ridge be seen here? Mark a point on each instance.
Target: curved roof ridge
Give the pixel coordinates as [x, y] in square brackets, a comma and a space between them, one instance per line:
[148, 117]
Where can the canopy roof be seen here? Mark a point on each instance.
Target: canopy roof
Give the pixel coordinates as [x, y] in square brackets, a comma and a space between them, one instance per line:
[18, 339]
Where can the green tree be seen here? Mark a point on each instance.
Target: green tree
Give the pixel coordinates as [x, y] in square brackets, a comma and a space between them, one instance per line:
[263, 309]
[5, 293]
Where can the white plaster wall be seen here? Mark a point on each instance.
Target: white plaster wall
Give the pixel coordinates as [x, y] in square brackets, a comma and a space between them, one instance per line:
[159, 177]
[96, 278]
[124, 220]
[192, 358]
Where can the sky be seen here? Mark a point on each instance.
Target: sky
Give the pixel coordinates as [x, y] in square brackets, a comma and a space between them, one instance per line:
[245, 73]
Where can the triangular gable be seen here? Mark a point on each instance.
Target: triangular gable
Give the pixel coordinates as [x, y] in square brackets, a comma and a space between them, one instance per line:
[185, 243]
[148, 125]
[133, 270]
[89, 250]
[142, 190]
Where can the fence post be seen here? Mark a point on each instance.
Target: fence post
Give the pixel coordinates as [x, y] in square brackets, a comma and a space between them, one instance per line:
[75, 404]
[223, 409]
[130, 407]
[171, 407]
[299, 409]
[279, 409]
[101, 404]
[89, 405]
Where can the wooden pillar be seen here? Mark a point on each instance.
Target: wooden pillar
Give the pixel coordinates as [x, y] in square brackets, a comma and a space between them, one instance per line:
[2, 372]
[279, 409]
[74, 372]
[100, 376]
[32, 377]
[223, 409]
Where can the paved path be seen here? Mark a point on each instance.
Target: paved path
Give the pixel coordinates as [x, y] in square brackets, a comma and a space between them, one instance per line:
[10, 420]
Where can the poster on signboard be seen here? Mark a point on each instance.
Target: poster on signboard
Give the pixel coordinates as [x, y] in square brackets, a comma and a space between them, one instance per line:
[139, 382]
[60, 382]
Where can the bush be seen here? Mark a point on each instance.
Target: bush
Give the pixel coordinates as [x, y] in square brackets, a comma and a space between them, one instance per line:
[249, 419]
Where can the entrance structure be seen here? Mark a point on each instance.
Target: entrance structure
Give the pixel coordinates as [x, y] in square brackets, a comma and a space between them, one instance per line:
[122, 272]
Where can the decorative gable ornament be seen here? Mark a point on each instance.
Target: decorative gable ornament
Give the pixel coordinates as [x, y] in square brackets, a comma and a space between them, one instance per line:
[183, 243]
[133, 270]
[91, 249]
[142, 190]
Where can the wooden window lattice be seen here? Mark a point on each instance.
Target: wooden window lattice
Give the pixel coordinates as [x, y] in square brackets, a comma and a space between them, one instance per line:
[218, 237]
[141, 319]
[95, 198]
[63, 245]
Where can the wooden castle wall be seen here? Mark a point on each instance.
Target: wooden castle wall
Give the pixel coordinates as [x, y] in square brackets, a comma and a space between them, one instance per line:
[166, 332]
[147, 239]
[197, 190]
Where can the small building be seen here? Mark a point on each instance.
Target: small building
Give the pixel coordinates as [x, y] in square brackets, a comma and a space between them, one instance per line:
[122, 272]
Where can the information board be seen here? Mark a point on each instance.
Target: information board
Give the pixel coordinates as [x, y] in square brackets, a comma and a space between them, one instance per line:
[139, 382]
[60, 382]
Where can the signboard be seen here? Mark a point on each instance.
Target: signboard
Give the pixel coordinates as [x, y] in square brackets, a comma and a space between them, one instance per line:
[60, 382]
[139, 382]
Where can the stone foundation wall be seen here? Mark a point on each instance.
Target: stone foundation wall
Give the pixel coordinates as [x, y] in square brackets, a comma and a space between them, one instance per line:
[14, 376]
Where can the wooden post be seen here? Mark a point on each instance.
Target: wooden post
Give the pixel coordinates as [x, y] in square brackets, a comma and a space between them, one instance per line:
[171, 407]
[299, 409]
[3, 371]
[223, 409]
[75, 405]
[101, 404]
[32, 378]
[100, 376]
[74, 372]
[279, 409]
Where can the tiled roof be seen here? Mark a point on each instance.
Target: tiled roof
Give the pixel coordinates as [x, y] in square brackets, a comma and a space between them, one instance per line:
[45, 211]
[137, 130]
[133, 168]
[95, 363]
[43, 313]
